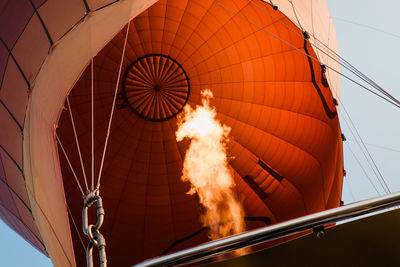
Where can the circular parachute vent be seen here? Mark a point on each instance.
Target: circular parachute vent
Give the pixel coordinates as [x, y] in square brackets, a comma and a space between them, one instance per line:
[156, 87]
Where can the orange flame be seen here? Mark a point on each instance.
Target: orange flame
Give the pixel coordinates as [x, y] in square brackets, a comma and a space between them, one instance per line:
[206, 168]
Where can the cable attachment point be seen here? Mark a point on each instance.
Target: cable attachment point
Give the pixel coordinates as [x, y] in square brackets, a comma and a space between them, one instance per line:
[319, 231]
[92, 230]
[323, 68]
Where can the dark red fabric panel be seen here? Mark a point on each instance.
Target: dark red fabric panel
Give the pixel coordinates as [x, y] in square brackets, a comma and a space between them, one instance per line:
[38, 3]
[4, 55]
[14, 18]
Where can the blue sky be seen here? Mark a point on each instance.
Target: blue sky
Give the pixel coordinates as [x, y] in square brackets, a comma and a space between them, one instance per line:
[16, 252]
[372, 52]
[375, 54]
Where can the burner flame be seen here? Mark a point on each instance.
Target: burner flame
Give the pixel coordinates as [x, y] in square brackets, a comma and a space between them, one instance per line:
[206, 168]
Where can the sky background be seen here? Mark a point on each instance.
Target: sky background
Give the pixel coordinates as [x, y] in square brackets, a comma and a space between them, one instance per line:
[374, 53]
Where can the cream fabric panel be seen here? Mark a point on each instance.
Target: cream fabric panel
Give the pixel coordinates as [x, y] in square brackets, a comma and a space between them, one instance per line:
[58, 74]
[313, 16]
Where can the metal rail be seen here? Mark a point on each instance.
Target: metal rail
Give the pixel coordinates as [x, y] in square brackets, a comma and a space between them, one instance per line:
[251, 238]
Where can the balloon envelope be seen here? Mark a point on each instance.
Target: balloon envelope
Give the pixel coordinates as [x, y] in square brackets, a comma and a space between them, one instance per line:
[285, 148]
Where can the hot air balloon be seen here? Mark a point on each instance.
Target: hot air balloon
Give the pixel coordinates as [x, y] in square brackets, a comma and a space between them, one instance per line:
[263, 62]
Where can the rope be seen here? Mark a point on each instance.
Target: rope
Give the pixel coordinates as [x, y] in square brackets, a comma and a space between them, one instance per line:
[367, 26]
[51, 226]
[113, 106]
[359, 84]
[69, 163]
[359, 163]
[75, 227]
[342, 62]
[92, 89]
[381, 147]
[391, 99]
[349, 189]
[373, 161]
[338, 59]
[96, 238]
[77, 144]
[383, 184]
[367, 155]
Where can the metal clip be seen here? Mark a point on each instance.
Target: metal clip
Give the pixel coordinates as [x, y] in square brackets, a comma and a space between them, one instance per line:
[100, 242]
[92, 230]
[88, 201]
[319, 231]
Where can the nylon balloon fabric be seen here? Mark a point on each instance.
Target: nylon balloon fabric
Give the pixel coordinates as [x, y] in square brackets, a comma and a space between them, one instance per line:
[285, 149]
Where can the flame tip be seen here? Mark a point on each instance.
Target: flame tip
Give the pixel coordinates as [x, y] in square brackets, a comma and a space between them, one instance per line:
[206, 168]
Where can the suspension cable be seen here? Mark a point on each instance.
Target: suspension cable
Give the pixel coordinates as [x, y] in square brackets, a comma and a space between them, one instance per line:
[368, 26]
[359, 74]
[338, 59]
[335, 57]
[365, 172]
[341, 61]
[348, 66]
[112, 108]
[77, 144]
[93, 196]
[384, 185]
[75, 227]
[382, 147]
[373, 161]
[383, 182]
[92, 100]
[69, 163]
[45, 216]
[359, 84]
[349, 189]
[367, 155]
